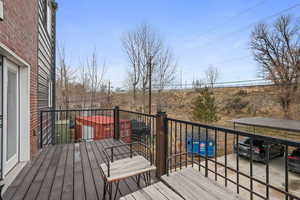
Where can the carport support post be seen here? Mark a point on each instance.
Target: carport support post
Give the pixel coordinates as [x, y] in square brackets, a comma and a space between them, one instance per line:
[161, 143]
[116, 123]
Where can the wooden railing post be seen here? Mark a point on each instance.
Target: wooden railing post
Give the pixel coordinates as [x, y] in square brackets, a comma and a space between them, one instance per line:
[161, 143]
[116, 123]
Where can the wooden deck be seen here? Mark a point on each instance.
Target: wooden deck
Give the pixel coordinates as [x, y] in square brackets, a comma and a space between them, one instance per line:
[66, 172]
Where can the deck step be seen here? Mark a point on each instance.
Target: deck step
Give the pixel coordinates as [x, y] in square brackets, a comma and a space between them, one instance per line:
[157, 191]
[192, 185]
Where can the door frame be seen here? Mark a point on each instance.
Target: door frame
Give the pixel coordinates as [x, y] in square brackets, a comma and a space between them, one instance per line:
[27, 110]
[13, 161]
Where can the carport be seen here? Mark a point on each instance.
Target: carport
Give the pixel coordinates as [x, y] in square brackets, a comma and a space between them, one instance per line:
[271, 123]
[276, 169]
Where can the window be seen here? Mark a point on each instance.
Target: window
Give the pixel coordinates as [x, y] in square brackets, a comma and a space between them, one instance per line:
[47, 16]
[49, 19]
[45, 3]
[50, 93]
[1, 10]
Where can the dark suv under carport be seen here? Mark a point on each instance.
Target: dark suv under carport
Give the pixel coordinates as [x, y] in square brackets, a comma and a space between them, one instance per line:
[294, 161]
[259, 150]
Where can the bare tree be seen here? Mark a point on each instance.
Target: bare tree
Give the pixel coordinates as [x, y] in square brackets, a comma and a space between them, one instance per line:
[198, 84]
[212, 75]
[132, 46]
[152, 47]
[164, 72]
[142, 47]
[63, 79]
[84, 83]
[277, 50]
[95, 74]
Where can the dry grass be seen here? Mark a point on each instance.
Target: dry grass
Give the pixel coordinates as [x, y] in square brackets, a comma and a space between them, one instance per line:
[261, 101]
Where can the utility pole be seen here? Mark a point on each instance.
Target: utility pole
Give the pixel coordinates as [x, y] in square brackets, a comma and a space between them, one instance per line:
[150, 82]
[108, 95]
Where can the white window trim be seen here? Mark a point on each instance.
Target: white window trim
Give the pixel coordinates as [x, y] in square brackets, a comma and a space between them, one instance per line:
[49, 18]
[1, 10]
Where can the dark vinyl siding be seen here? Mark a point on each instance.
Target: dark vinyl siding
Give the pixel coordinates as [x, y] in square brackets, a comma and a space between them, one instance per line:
[46, 65]
[46, 56]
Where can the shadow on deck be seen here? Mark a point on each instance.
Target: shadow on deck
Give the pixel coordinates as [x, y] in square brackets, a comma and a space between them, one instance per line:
[70, 171]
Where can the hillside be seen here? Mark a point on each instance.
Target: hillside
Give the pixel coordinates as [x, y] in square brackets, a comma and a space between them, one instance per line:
[232, 103]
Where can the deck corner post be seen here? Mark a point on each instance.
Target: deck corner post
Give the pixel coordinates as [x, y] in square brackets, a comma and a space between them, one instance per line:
[161, 143]
[116, 123]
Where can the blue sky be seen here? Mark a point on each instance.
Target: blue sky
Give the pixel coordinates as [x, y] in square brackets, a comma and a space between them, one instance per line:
[199, 32]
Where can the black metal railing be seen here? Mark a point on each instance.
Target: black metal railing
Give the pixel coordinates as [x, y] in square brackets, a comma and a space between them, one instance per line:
[215, 152]
[173, 144]
[69, 126]
[143, 128]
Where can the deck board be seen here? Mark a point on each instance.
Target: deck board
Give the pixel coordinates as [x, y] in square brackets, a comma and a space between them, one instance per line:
[18, 180]
[67, 172]
[95, 169]
[47, 184]
[57, 186]
[38, 180]
[79, 189]
[191, 185]
[25, 184]
[89, 184]
[67, 191]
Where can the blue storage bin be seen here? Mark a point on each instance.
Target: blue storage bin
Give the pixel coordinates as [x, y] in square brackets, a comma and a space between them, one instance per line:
[197, 145]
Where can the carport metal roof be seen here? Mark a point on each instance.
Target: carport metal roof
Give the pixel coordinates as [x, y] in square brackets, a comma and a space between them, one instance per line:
[280, 124]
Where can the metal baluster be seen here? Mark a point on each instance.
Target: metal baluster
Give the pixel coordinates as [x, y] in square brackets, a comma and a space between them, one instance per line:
[237, 165]
[286, 171]
[226, 181]
[171, 136]
[56, 127]
[112, 154]
[180, 129]
[251, 168]
[175, 143]
[186, 146]
[152, 136]
[199, 156]
[267, 171]
[192, 143]
[206, 152]
[216, 151]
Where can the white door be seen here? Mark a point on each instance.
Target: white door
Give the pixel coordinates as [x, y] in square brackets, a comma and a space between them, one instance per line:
[11, 116]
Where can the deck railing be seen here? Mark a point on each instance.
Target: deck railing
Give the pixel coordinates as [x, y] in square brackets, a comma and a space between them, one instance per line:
[213, 151]
[175, 144]
[69, 126]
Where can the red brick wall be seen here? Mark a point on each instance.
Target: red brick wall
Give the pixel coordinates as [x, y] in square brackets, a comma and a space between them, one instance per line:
[18, 31]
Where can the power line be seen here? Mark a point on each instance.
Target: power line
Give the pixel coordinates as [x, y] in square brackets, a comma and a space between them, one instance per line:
[239, 14]
[241, 83]
[228, 60]
[250, 25]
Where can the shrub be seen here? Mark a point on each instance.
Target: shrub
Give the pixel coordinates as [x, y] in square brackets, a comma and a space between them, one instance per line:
[242, 93]
[205, 108]
[236, 104]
